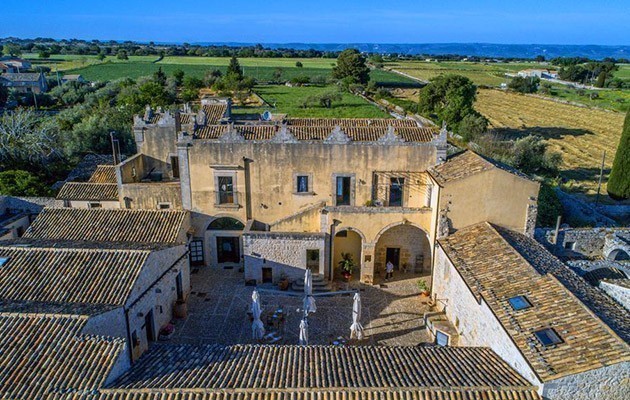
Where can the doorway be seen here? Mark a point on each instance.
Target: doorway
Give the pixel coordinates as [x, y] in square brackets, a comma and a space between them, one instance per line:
[228, 249]
[393, 254]
[267, 275]
[342, 191]
[396, 192]
[149, 327]
[180, 287]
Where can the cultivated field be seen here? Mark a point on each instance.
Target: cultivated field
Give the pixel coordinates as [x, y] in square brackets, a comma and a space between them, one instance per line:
[580, 134]
[288, 100]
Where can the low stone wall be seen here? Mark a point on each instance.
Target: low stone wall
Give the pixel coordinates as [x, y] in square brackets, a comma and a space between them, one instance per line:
[620, 291]
[607, 383]
[284, 253]
[580, 242]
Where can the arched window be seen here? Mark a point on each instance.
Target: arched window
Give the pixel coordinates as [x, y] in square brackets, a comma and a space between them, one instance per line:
[226, 224]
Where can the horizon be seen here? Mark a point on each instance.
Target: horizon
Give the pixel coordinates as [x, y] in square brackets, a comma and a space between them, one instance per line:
[549, 22]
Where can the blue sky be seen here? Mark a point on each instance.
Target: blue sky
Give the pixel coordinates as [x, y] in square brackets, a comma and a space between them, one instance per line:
[323, 21]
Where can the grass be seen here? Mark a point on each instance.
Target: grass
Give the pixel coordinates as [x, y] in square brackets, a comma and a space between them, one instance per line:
[581, 135]
[287, 100]
[618, 100]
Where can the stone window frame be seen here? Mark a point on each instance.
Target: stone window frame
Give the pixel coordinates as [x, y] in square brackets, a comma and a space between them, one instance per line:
[217, 201]
[405, 190]
[353, 178]
[95, 205]
[309, 177]
[171, 158]
[165, 205]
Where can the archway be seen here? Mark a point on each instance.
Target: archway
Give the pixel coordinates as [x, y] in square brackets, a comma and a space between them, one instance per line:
[618, 255]
[406, 246]
[223, 239]
[347, 242]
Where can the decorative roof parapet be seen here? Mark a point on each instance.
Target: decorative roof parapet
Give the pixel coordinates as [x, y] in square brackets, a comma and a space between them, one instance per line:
[284, 136]
[391, 137]
[231, 135]
[167, 119]
[337, 136]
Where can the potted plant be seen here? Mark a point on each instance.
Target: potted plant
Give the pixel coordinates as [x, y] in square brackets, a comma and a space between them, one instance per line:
[283, 284]
[423, 287]
[346, 265]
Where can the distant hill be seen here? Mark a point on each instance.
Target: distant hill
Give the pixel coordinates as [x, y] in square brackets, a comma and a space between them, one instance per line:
[464, 49]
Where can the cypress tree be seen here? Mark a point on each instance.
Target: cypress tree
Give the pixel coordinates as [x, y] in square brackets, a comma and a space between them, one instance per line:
[619, 180]
[235, 68]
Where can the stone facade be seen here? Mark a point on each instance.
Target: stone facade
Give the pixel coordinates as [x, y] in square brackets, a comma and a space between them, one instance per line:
[618, 291]
[589, 243]
[608, 383]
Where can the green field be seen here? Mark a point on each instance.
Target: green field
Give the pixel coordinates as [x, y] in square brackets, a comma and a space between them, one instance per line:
[287, 100]
[262, 69]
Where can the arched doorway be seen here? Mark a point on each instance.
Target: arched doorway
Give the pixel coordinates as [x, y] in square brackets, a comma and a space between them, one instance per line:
[618, 255]
[223, 237]
[347, 243]
[406, 246]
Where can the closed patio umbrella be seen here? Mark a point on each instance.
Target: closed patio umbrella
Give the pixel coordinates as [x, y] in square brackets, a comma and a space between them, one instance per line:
[356, 329]
[309, 300]
[304, 332]
[258, 328]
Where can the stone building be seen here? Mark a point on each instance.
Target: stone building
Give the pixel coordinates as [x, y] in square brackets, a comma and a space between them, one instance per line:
[498, 288]
[25, 82]
[282, 196]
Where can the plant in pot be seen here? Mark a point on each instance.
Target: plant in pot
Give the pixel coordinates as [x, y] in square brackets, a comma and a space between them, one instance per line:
[423, 287]
[346, 265]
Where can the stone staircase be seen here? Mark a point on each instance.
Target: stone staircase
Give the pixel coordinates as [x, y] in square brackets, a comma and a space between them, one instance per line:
[320, 285]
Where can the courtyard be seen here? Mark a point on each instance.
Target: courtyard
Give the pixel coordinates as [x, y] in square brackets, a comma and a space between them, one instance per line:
[218, 305]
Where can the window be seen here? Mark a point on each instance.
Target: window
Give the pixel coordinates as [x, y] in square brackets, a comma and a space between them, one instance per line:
[302, 184]
[95, 205]
[196, 252]
[312, 260]
[569, 245]
[519, 303]
[226, 190]
[175, 166]
[342, 190]
[3, 261]
[396, 192]
[441, 339]
[547, 337]
[164, 206]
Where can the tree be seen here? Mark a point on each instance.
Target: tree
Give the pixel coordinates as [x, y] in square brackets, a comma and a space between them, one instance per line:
[44, 54]
[122, 55]
[178, 74]
[26, 139]
[234, 68]
[21, 183]
[472, 126]
[160, 77]
[549, 206]
[12, 49]
[351, 65]
[524, 85]
[299, 64]
[277, 74]
[619, 180]
[449, 97]
[100, 56]
[4, 95]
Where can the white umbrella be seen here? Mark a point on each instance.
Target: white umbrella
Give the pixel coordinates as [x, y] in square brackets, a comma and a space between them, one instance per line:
[304, 332]
[309, 300]
[356, 329]
[258, 328]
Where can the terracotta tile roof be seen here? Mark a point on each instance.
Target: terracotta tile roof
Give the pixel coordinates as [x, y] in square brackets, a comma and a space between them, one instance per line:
[22, 76]
[214, 112]
[44, 353]
[69, 275]
[104, 174]
[465, 164]
[88, 191]
[495, 271]
[186, 119]
[109, 225]
[351, 122]
[251, 371]
[317, 132]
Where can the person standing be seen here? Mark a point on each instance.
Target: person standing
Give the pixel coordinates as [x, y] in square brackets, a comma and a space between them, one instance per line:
[389, 270]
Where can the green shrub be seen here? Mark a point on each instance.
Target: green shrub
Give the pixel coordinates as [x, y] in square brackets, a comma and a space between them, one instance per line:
[619, 181]
[21, 183]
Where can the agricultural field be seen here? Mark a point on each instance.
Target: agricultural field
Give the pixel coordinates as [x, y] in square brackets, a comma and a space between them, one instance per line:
[288, 100]
[262, 69]
[486, 74]
[581, 135]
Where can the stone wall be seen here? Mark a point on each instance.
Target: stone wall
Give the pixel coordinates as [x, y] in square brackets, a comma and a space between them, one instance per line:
[284, 253]
[581, 242]
[619, 292]
[473, 319]
[607, 383]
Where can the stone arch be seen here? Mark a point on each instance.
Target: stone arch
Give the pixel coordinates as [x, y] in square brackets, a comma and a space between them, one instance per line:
[225, 223]
[348, 240]
[618, 255]
[223, 240]
[406, 245]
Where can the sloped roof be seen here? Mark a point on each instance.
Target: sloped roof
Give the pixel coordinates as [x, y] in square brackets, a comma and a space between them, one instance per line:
[214, 112]
[275, 372]
[21, 76]
[38, 273]
[104, 174]
[496, 271]
[352, 122]
[465, 164]
[46, 353]
[88, 191]
[109, 225]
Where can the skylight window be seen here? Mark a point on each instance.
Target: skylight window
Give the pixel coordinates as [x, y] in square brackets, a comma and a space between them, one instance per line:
[519, 303]
[547, 337]
[3, 260]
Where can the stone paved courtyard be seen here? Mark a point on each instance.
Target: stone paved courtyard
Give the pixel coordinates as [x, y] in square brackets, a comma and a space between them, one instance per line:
[219, 302]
